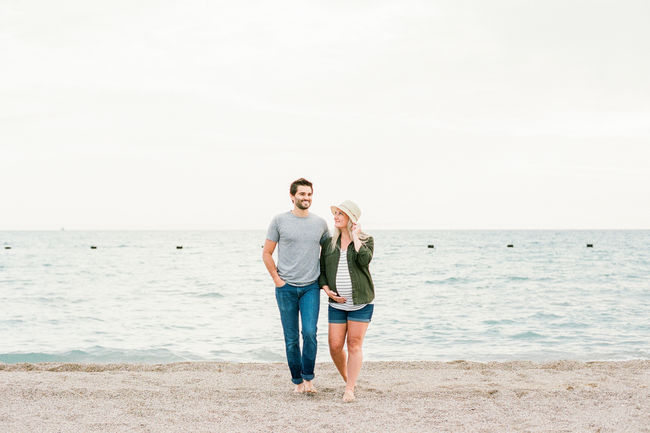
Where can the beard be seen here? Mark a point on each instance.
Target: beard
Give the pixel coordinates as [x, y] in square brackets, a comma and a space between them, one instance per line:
[303, 206]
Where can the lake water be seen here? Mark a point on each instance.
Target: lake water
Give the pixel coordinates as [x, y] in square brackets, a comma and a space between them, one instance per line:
[137, 298]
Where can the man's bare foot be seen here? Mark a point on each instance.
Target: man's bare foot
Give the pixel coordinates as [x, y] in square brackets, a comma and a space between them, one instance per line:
[348, 395]
[309, 387]
[300, 388]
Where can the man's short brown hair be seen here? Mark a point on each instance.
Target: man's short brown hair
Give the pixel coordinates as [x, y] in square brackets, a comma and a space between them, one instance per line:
[302, 181]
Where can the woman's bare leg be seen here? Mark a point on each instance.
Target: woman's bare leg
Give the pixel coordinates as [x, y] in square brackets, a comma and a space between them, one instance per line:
[356, 334]
[336, 340]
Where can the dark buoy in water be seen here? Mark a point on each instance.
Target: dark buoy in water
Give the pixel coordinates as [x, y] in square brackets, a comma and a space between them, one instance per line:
[179, 247]
[590, 245]
[510, 246]
[430, 246]
[7, 247]
[93, 247]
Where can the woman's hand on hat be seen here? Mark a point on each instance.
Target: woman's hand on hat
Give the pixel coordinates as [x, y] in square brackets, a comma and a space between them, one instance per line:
[356, 230]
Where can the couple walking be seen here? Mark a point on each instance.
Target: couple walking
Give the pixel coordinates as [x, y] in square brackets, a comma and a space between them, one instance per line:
[310, 259]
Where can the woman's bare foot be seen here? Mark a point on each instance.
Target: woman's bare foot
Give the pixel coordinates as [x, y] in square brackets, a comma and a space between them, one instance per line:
[300, 388]
[309, 387]
[348, 395]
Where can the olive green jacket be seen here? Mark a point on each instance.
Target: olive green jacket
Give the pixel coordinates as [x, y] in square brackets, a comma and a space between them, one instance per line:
[363, 289]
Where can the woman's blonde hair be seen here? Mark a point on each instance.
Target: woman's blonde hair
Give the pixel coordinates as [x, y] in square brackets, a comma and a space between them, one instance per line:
[336, 233]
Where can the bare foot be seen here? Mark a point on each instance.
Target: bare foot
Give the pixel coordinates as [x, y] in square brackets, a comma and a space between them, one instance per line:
[348, 396]
[300, 388]
[309, 387]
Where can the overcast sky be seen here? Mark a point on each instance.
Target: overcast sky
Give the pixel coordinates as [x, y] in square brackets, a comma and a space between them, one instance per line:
[429, 114]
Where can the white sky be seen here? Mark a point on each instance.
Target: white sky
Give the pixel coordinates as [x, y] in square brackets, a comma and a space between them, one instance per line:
[429, 114]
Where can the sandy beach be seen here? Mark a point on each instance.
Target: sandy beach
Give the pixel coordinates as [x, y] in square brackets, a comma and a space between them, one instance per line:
[563, 396]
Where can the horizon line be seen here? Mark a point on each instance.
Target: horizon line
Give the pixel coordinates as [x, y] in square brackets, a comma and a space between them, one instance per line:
[264, 229]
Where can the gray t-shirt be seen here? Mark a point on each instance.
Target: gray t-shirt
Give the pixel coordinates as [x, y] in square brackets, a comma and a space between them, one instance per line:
[298, 241]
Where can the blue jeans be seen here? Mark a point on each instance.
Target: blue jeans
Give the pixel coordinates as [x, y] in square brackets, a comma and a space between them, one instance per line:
[306, 301]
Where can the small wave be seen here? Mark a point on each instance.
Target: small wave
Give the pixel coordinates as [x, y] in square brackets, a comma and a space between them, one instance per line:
[209, 366]
[221, 355]
[47, 300]
[464, 341]
[94, 319]
[96, 354]
[211, 295]
[529, 335]
[499, 322]
[190, 328]
[541, 315]
[265, 355]
[449, 280]
[571, 325]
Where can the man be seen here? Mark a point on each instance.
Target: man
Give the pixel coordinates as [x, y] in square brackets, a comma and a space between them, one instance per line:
[298, 235]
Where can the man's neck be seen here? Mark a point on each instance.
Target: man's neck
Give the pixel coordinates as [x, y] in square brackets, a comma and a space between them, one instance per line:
[300, 212]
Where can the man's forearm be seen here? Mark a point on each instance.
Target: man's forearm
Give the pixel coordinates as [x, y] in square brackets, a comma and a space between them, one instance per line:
[270, 266]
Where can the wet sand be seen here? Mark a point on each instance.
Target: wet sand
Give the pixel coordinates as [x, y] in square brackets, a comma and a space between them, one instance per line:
[396, 397]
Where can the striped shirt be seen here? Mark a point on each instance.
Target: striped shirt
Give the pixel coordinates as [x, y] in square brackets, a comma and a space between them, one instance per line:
[344, 285]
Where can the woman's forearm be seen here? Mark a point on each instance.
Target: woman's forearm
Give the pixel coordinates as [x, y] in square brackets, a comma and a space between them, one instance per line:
[356, 241]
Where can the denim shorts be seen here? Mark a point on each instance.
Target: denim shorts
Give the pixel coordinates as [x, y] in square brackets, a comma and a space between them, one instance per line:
[335, 315]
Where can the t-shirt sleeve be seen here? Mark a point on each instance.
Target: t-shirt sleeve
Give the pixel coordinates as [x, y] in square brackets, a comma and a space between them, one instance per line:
[273, 233]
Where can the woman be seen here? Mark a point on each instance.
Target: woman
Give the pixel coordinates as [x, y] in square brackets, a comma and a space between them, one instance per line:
[346, 279]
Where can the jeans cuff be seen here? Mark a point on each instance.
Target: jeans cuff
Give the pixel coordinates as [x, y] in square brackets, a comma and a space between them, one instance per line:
[296, 381]
[308, 376]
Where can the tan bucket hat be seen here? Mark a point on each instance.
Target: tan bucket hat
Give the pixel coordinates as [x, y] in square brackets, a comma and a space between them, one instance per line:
[351, 210]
